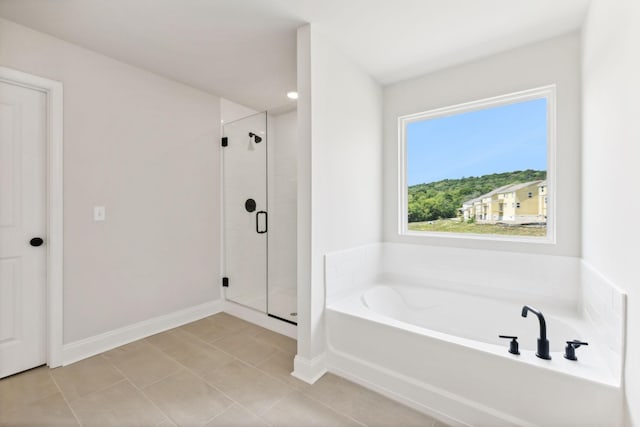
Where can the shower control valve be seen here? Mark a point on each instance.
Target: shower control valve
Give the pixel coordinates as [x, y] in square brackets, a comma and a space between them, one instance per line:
[513, 345]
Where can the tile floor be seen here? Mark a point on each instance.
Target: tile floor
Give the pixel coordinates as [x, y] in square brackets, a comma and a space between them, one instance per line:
[218, 371]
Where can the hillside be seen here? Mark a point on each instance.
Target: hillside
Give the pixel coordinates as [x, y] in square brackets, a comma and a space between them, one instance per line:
[442, 199]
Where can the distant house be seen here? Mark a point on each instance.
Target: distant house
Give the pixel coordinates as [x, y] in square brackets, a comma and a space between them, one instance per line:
[488, 206]
[514, 203]
[520, 203]
[542, 200]
[467, 209]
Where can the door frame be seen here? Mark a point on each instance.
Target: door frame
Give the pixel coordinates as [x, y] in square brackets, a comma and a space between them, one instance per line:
[54, 192]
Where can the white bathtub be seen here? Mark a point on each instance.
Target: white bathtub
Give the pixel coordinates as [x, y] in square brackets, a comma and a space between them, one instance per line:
[442, 349]
[438, 350]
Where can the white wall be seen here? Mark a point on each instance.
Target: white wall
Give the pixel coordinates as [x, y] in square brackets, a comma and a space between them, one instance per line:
[231, 111]
[611, 154]
[553, 61]
[146, 148]
[339, 172]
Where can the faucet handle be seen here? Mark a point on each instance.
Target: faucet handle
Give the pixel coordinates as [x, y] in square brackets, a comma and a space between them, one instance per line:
[570, 349]
[513, 345]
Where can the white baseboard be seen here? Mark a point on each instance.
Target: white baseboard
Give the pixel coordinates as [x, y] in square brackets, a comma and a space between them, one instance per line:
[261, 319]
[417, 395]
[309, 370]
[97, 344]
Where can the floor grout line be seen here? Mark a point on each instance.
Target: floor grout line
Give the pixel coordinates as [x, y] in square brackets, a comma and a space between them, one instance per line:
[196, 374]
[101, 389]
[173, 374]
[229, 409]
[162, 353]
[433, 420]
[334, 409]
[217, 415]
[279, 400]
[143, 393]
[236, 357]
[64, 397]
[210, 344]
[278, 349]
[23, 405]
[255, 335]
[294, 389]
[98, 390]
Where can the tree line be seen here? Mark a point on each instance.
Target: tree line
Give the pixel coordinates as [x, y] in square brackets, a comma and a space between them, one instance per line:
[442, 199]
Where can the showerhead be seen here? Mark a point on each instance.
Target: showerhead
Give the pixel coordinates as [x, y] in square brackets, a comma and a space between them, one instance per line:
[257, 139]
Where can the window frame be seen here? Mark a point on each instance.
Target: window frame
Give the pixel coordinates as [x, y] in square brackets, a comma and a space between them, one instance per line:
[544, 92]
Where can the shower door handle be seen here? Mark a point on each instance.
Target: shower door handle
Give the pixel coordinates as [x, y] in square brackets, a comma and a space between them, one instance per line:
[266, 222]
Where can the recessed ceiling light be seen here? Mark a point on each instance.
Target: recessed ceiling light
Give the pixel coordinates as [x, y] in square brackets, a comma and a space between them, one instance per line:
[292, 95]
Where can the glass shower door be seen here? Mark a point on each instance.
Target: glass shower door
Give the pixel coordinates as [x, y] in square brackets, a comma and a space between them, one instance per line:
[245, 211]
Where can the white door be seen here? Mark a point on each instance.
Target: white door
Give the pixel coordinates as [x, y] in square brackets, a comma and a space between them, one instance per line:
[245, 211]
[22, 220]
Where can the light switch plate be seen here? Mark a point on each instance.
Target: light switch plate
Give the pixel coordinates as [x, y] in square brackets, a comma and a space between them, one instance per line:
[99, 213]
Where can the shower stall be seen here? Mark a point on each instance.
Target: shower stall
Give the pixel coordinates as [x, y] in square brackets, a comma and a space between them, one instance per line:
[258, 216]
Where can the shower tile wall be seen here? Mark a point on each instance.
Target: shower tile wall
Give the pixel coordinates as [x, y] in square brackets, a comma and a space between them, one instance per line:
[283, 211]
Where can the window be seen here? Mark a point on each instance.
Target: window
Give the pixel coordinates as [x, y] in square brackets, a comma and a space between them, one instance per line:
[459, 165]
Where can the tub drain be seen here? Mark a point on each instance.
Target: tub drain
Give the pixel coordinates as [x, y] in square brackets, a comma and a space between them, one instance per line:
[294, 314]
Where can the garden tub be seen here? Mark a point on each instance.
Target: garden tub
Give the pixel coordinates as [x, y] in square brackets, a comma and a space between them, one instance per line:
[437, 350]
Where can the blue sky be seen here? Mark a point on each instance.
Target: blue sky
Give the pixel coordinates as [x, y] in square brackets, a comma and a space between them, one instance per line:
[499, 139]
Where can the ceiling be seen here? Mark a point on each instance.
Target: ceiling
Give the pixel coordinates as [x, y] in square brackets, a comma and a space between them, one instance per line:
[245, 50]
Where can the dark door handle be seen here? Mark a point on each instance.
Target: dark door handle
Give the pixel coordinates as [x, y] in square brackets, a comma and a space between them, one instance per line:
[266, 222]
[36, 241]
